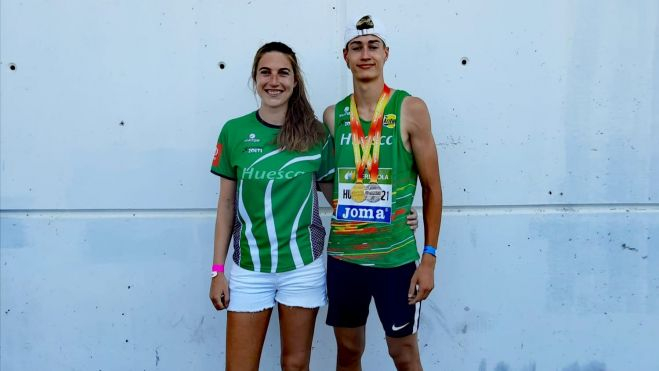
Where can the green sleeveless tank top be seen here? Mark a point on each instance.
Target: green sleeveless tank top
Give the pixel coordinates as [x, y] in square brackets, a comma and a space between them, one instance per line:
[384, 240]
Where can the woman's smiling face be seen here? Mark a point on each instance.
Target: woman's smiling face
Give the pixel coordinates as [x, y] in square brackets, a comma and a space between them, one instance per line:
[275, 79]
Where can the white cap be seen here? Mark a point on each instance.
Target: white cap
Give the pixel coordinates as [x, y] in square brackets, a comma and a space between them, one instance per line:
[365, 25]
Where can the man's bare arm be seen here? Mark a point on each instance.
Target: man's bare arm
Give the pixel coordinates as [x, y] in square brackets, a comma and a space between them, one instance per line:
[328, 119]
[424, 150]
[419, 131]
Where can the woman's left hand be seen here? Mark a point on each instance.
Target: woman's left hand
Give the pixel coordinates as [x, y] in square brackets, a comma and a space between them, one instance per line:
[413, 219]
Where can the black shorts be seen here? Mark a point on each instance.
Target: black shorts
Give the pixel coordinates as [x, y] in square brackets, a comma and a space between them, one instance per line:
[351, 286]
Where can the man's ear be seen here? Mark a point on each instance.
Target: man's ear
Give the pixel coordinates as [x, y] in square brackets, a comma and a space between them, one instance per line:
[345, 57]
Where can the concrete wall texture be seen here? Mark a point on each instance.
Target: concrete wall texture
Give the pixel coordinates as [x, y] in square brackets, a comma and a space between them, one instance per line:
[548, 137]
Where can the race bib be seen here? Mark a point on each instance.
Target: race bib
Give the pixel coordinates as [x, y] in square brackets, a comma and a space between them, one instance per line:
[371, 202]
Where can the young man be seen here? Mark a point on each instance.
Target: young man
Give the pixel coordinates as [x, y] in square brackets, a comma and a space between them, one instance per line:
[383, 142]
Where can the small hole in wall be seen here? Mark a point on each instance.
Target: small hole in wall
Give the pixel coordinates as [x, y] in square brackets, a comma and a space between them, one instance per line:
[222, 65]
[464, 61]
[12, 66]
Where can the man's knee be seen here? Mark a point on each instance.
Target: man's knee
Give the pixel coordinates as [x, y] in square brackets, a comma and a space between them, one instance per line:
[350, 347]
[405, 353]
[402, 353]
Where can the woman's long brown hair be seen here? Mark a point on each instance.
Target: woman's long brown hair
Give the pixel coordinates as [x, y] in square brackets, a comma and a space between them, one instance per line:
[301, 129]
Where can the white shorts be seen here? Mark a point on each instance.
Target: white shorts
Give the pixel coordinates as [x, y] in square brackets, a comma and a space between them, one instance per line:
[255, 291]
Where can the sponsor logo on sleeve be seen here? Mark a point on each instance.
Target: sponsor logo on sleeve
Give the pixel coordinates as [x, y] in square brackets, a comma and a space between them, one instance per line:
[218, 153]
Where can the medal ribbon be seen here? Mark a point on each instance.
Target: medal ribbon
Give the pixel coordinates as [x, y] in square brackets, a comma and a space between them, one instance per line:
[364, 160]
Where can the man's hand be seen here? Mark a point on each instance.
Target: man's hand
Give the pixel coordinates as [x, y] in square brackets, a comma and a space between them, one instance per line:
[423, 280]
[219, 293]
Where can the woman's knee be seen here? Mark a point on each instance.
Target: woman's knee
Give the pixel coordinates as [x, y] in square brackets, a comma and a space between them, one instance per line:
[295, 361]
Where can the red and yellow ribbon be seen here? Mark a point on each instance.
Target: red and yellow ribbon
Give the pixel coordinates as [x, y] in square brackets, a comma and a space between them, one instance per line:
[364, 159]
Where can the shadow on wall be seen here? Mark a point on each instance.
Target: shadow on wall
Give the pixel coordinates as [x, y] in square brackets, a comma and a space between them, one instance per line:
[592, 366]
[502, 366]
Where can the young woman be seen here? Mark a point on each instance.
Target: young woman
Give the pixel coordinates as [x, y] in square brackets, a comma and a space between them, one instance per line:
[269, 162]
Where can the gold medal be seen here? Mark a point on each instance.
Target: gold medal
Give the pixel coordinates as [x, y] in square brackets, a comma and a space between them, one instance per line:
[357, 192]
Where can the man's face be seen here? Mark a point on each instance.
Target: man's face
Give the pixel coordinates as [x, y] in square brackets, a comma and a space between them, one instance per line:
[365, 56]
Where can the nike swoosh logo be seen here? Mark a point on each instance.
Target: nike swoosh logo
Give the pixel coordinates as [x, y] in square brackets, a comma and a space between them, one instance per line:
[396, 328]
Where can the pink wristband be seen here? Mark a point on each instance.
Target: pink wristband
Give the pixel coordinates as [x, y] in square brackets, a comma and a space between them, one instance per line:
[218, 268]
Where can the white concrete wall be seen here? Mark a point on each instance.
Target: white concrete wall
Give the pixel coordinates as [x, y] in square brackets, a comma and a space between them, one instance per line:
[548, 140]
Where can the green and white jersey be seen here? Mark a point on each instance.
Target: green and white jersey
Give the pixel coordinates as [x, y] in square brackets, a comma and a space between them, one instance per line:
[277, 224]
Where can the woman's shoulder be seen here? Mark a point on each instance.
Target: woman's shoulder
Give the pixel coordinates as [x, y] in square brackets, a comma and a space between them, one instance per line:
[239, 124]
[241, 120]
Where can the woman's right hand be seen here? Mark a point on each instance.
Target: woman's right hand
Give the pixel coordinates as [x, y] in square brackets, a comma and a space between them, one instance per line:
[219, 293]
